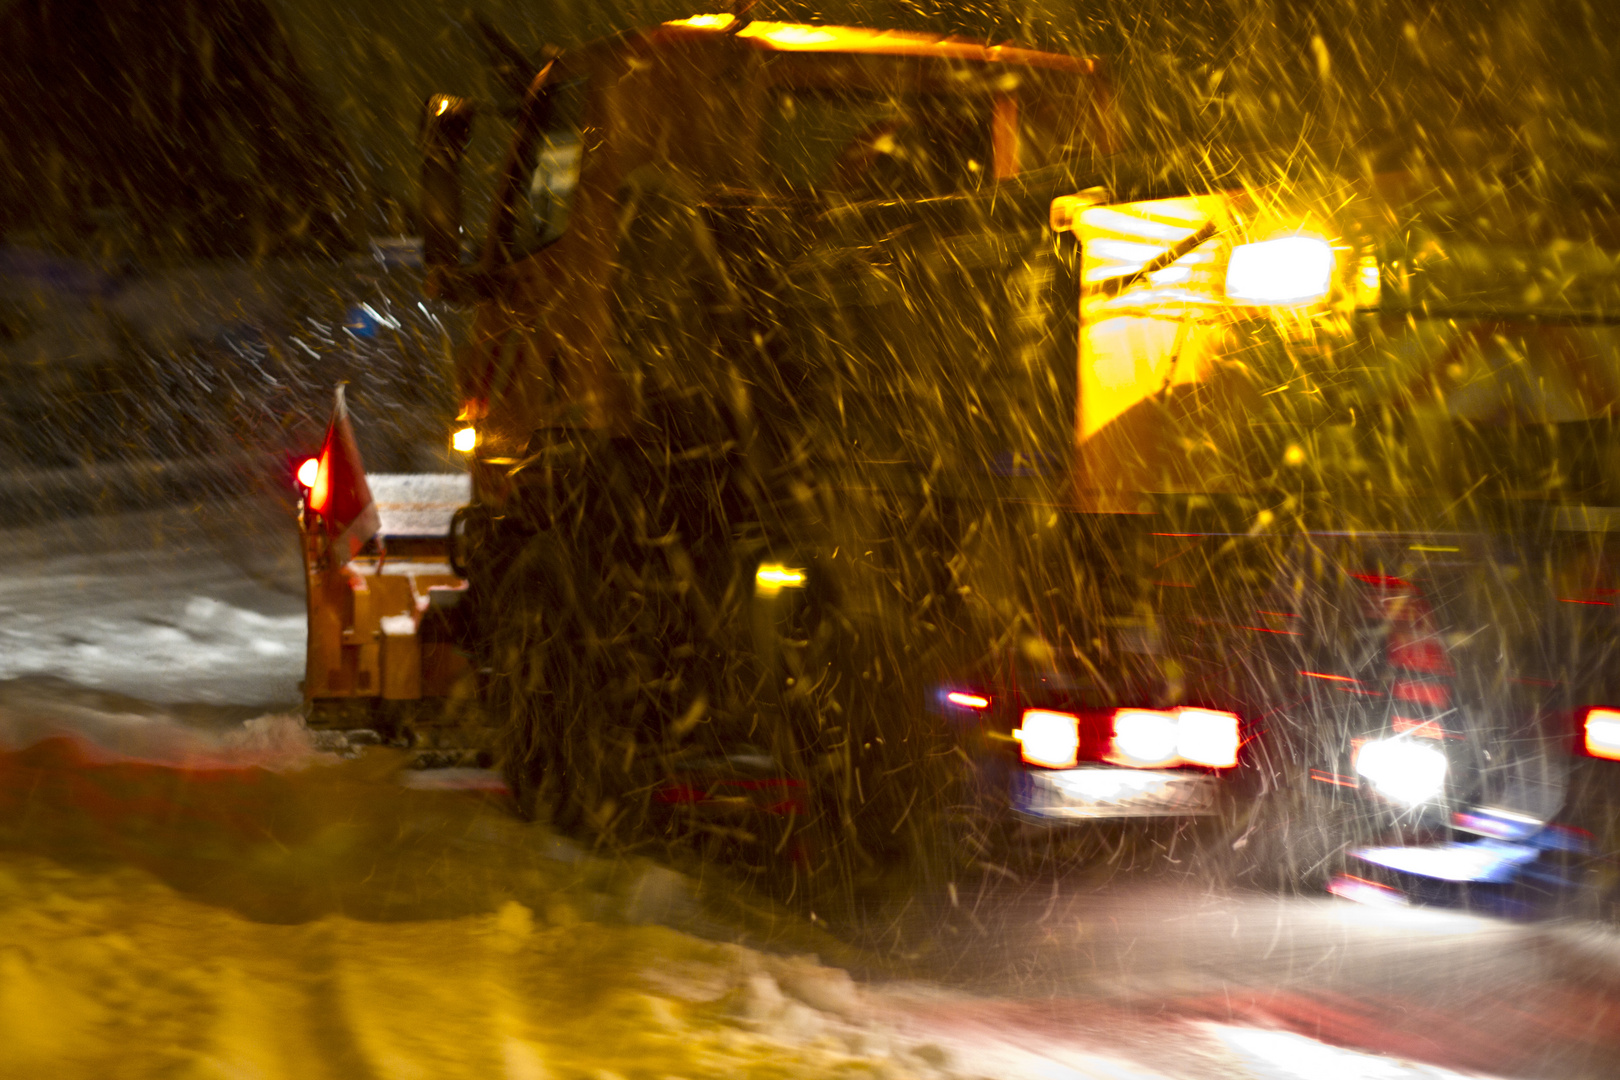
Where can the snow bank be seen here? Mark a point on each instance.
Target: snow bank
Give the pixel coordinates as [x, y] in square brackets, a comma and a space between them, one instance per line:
[187, 648]
[109, 728]
[116, 974]
[335, 922]
[107, 974]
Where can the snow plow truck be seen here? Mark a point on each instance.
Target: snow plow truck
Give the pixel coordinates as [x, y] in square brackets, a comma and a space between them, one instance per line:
[798, 524]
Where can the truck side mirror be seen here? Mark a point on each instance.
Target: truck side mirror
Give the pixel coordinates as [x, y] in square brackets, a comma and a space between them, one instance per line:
[446, 129]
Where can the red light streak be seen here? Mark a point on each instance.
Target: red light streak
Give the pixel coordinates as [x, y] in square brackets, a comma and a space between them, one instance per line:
[1330, 678]
[1593, 603]
[1421, 729]
[1423, 693]
[1383, 581]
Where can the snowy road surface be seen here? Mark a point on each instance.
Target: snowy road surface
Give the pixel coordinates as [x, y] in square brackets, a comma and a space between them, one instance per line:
[189, 888]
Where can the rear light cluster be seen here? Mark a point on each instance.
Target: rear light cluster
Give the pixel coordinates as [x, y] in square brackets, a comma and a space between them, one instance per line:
[1139, 738]
[1602, 733]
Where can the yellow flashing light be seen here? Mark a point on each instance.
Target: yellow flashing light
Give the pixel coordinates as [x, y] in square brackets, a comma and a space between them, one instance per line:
[704, 22]
[772, 578]
[1369, 284]
[789, 36]
[465, 440]
[1285, 271]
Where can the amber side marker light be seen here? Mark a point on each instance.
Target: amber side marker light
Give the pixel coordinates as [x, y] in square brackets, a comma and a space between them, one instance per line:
[464, 440]
[1603, 733]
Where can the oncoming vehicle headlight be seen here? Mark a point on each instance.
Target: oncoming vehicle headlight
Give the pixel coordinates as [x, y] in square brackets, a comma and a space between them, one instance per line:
[1287, 270]
[1406, 771]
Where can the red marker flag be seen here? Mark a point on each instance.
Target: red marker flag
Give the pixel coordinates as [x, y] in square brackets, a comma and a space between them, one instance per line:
[340, 493]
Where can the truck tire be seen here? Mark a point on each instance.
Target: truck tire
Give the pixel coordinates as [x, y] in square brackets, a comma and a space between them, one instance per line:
[524, 672]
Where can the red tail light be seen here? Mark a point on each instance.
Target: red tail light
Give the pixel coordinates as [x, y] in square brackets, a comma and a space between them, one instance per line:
[1603, 733]
[1049, 739]
[308, 470]
[1208, 737]
[1423, 654]
[1145, 738]
[1423, 693]
[1158, 738]
[1418, 729]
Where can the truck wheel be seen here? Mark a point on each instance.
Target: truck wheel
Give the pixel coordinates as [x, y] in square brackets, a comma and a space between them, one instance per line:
[526, 628]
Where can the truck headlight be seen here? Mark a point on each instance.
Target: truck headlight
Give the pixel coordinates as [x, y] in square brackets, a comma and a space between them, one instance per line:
[1288, 270]
[1406, 771]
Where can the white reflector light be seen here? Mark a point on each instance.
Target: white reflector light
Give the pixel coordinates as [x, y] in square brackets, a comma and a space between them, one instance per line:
[1207, 737]
[1603, 733]
[1145, 737]
[1048, 738]
[1406, 771]
[1289, 270]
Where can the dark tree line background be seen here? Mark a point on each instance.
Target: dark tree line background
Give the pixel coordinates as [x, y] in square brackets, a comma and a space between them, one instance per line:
[265, 128]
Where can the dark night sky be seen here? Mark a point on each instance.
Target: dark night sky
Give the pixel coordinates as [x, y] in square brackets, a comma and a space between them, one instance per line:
[255, 127]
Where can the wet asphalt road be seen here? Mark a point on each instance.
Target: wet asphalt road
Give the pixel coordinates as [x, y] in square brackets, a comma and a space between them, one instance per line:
[1057, 949]
[1140, 951]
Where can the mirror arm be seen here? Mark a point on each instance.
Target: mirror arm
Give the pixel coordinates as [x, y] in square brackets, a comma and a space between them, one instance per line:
[446, 129]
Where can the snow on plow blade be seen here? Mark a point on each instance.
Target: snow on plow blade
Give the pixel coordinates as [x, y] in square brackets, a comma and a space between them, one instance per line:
[381, 650]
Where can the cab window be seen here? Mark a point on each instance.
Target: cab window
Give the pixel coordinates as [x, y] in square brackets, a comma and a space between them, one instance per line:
[545, 195]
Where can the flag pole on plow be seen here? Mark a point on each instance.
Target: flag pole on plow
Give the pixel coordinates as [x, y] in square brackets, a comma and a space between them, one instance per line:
[340, 493]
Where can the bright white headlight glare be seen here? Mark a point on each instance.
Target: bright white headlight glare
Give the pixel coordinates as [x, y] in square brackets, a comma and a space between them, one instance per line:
[1407, 771]
[1145, 737]
[1288, 270]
